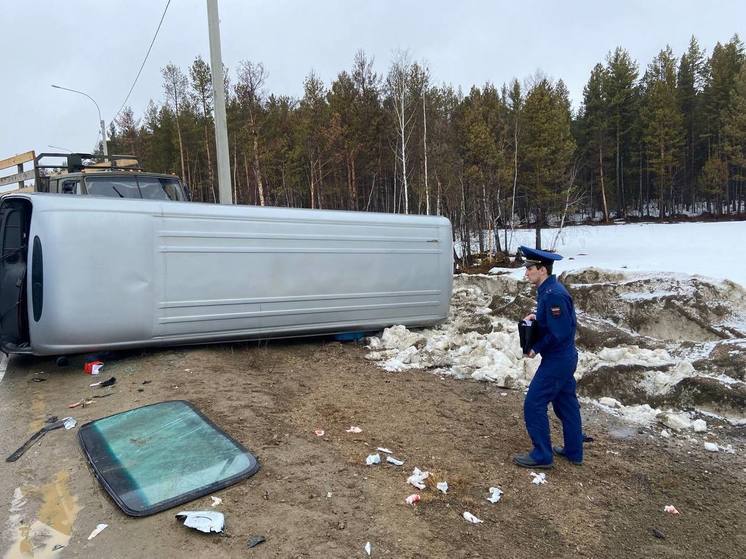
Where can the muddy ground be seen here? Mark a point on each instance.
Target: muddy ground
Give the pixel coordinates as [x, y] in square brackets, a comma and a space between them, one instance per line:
[314, 496]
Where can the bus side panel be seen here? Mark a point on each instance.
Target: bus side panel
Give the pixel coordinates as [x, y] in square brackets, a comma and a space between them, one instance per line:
[273, 273]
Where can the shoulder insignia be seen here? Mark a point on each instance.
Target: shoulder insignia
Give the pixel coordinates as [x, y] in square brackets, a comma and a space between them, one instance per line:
[556, 311]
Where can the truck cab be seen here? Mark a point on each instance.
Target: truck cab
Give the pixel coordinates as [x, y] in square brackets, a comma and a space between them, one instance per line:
[116, 176]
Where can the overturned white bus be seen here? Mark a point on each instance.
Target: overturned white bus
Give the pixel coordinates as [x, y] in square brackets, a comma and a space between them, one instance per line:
[79, 274]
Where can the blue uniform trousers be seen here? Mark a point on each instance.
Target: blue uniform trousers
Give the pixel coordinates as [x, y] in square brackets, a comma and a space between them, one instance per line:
[554, 382]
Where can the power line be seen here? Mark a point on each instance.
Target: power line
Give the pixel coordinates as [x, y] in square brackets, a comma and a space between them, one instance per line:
[143, 62]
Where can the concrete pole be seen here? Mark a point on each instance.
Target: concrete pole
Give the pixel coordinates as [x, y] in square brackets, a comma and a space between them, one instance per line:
[103, 136]
[221, 128]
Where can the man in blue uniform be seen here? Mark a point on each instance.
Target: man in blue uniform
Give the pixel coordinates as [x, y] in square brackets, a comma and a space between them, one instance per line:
[554, 381]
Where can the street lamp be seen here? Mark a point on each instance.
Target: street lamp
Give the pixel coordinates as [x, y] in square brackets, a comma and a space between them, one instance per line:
[101, 120]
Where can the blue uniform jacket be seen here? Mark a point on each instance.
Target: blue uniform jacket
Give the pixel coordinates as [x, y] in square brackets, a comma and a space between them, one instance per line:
[555, 314]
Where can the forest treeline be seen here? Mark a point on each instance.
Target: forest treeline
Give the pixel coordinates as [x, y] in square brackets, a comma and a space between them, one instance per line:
[666, 139]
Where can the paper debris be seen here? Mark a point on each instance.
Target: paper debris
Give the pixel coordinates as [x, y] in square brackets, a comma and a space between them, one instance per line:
[368, 548]
[539, 479]
[418, 478]
[394, 461]
[100, 528]
[495, 494]
[412, 499]
[671, 509]
[385, 450]
[712, 447]
[354, 429]
[665, 434]
[216, 501]
[69, 422]
[442, 486]
[373, 459]
[203, 520]
[93, 367]
[319, 432]
[699, 426]
[469, 517]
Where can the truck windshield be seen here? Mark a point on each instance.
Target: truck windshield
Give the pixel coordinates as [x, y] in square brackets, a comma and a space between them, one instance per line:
[151, 188]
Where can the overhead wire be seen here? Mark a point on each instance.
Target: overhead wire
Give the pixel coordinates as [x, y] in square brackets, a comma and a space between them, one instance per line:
[143, 62]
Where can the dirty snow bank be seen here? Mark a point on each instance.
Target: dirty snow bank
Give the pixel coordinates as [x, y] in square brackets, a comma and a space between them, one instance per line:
[664, 344]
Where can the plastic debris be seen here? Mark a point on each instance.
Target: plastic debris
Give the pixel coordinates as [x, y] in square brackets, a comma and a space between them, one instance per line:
[712, 447]
[418, 478]
[319, 432]
[699, 426]
[539, 479]
[442, 486]
[373, 459]
[100, 528]
[412, 499]
[384, 450]
[469, 517]
[255, 541]
[203, 520]
[215, 501]
[104, 383]
[658, 534]
[394, 461]
[368, 548]
[670, 509]
[80, 403]
[93, 367]
[665, 434]
[495, 494]
[354, 429]
[69, 422]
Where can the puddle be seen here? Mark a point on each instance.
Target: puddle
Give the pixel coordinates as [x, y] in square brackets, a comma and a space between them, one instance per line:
[44, 536]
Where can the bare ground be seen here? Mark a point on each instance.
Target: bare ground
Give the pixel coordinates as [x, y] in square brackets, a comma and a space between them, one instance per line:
[314, 496]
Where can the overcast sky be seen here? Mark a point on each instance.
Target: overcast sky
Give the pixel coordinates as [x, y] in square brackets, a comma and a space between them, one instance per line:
[97, 46]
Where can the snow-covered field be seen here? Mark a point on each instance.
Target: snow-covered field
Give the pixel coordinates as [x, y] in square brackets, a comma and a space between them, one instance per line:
[715, 250]
[658, 345]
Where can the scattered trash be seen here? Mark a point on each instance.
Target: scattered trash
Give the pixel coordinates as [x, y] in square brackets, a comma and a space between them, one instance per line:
[469, 517]
[328, 494]
[587, 438]
[57, 547]
[368, 548]
[729, 449]
[57, 424]
[699, 426]
[418, 478]
[100, 528]
[105, 383]
[319, 432]
[203, 520]
[658, 534]
[665, 434]
[79, 403]
[255, 541]
[69, 423]
[38, 379]
[539, 479]
[671, 509]
[412, 499]
[394, 461]
[712, 447]
[215, 501]
[373, 459]
[442, 486]
[384, 450]
[354, 429]
[147, 381]
[495, 494]
[93, 367]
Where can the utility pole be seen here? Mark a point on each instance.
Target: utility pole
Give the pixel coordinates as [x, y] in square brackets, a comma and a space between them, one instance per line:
[221, 128]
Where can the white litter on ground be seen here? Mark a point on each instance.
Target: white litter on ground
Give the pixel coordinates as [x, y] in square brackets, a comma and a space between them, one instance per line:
[215, 501]
[469, 517]
[495, 494]
[712, 447]
[354, 429]
[97, 530]
[670, 509]
[418, 478]
[203, 520]
[394, 461]
[373, 459]
[442, 486]
[412, 499]
[384, 450]
[368, 548]
[539, 479]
